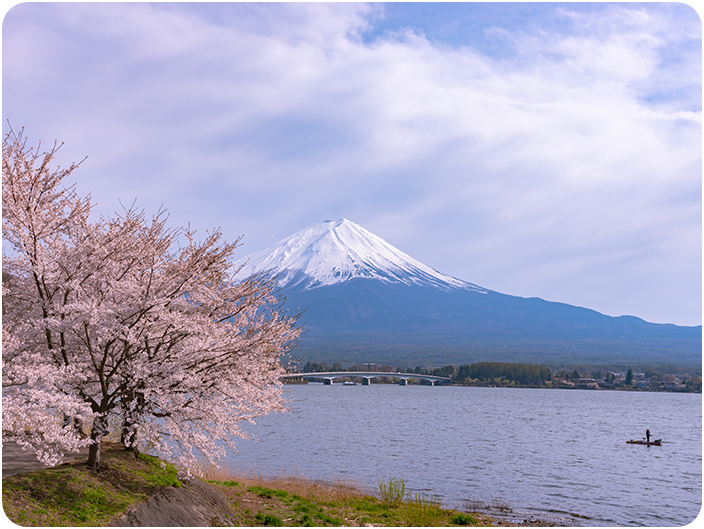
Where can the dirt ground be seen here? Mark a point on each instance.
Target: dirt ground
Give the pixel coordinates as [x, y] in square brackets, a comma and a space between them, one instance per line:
[18, 461]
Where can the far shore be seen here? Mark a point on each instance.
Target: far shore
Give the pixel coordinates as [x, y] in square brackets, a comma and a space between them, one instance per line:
[510, 386]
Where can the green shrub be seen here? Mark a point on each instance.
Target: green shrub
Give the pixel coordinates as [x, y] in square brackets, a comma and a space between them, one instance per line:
[422, 510]
[392, 491]
[268, 493]
[371, 505]
[463, 519]
[269, 519]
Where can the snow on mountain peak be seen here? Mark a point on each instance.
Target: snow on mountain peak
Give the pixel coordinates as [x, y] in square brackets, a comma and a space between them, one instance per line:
[333, 251]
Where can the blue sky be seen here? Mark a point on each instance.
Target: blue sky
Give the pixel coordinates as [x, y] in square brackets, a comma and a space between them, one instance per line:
[548, 149]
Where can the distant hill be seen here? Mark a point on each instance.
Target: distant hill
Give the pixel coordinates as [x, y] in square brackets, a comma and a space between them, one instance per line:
[366, 301]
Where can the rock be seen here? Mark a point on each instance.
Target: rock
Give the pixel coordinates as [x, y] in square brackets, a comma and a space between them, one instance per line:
[194, 504]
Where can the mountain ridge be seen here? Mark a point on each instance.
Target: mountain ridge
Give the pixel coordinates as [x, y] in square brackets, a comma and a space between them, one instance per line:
[364, 300]
[333, 251]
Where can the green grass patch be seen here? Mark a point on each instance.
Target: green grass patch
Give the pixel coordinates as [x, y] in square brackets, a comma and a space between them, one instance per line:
[463, 519]
[372, 506]
[160, 473]
[268, 493]
[392, 490]
[64, 497]
[422, 510]
[223, 483]
[73, 495]
[269, 519]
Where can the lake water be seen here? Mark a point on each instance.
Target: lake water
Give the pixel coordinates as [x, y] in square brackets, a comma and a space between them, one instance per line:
[560, 454]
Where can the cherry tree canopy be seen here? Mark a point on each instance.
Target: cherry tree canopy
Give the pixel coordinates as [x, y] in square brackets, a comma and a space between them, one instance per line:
[124, 317]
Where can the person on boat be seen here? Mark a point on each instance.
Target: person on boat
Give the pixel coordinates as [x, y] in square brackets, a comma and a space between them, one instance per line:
[647, 436]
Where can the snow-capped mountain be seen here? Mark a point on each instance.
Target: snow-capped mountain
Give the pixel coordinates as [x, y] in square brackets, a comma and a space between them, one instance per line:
[365, 301]
[333, 251]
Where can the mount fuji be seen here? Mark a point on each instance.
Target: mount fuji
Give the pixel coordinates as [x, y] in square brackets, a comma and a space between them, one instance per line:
[331, 252]
[366, 301]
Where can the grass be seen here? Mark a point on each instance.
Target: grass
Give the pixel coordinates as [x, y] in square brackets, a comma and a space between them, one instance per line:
[392, 490]
[296, 501]
[73, 495]
[159, 473]
[422, 510]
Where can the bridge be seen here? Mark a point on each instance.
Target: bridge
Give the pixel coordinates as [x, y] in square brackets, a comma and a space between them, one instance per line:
[366, 376]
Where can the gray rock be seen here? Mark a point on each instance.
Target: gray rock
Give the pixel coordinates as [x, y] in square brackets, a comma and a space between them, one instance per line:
[194, 504]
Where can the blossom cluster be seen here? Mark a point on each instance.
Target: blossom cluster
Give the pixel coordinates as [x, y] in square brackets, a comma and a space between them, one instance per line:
[123, 316]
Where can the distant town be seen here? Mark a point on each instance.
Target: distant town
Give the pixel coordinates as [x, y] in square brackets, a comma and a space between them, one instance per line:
[502, 374]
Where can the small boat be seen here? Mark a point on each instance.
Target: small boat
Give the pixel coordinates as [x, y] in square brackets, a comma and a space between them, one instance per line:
[656, 442]
[349, 383]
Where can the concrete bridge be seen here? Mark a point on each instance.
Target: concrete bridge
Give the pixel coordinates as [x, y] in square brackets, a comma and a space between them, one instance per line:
[366, 376]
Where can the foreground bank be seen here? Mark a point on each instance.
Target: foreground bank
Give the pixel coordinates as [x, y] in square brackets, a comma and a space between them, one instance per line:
[131, 490]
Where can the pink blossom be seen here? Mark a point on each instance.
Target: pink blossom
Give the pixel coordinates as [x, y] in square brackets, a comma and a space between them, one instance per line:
[126, 317]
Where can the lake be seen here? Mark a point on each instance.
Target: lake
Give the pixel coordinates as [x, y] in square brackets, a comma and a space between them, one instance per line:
[556, 454]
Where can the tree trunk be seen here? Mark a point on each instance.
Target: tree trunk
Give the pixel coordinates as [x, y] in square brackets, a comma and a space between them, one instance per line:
[127, 437]
[96, 435]
[132, 411]
[94, 455]
[126, 433]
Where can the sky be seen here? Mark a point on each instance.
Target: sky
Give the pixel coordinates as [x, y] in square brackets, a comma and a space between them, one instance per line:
[536, 149]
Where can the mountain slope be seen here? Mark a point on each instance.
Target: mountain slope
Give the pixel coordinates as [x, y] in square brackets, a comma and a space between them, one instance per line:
[330, 252]
[364, 300]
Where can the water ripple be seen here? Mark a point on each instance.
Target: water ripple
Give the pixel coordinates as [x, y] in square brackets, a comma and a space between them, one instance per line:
[549, 451]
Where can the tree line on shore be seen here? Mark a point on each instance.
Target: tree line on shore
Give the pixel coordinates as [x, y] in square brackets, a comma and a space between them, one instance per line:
[514, 374]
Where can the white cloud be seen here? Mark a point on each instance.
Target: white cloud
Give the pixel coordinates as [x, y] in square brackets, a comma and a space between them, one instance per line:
[552, 172]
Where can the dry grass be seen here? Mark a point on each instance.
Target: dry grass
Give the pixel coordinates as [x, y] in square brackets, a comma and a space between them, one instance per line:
[70, 495]
[294, 500]
[322, 490]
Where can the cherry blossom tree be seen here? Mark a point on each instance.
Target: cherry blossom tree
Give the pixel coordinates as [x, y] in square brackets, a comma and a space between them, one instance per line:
[32, 387]
[123, 316]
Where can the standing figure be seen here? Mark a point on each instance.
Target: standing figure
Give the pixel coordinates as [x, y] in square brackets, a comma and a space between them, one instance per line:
[647, 436]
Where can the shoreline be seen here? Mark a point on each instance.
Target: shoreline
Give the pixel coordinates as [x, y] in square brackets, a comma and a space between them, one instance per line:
[631, 390]
[233, 498]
